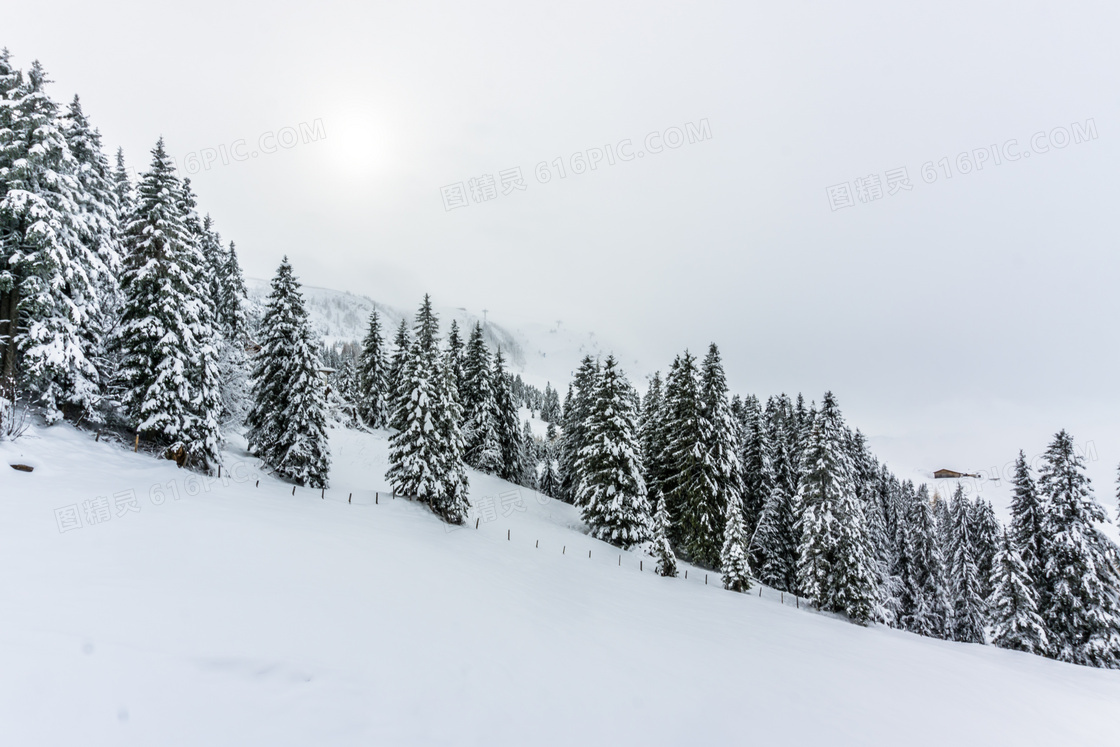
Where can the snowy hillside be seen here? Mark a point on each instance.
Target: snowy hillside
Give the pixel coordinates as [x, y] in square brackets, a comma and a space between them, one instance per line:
[541, 353]
[218, 612]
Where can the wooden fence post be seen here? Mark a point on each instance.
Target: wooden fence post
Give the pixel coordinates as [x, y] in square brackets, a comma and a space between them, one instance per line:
[136, 446]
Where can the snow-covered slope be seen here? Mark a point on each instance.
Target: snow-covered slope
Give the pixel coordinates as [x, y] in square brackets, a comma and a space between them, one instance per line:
[241, 615]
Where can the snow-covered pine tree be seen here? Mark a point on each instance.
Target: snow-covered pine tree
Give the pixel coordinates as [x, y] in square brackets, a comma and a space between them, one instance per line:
[205, 439]
[612, 491]
[479, 426]
[452, 504]
[287, 423]
[57, 248]
[373, 390]
[1013, 606]
[985, 533]
[122, 187]
[225, 316]
[835, 564]
[1080, 603]
[577, 408]
[550, 411]
[755, 469]
[721, 446]
[165, 340]
[734, 568]
[549, 481]
[213, 254]
[398, 362]
[99, 232]
[426, 453]
[506, 423]
[231, 303]
[923, 600]
[662, 549]
[684, 477]
[1027, 523]
[454, 355]
[776, 539]
[965, 587]
[651, 435]
[232, 320]
[943, 518]
[532, 452]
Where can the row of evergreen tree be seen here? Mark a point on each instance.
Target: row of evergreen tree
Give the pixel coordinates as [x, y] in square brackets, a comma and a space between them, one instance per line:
[788, 494]
[118, 303]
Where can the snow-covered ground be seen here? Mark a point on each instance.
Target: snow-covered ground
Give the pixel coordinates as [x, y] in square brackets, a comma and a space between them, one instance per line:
[239, 615]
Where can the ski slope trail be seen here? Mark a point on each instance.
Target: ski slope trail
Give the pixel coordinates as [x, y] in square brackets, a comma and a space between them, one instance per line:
[226, 613]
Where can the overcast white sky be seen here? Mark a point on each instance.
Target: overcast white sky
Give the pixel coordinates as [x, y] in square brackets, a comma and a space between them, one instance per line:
[957, 321]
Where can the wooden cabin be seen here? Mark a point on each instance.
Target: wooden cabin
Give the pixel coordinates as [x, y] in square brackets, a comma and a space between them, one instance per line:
[943, 474]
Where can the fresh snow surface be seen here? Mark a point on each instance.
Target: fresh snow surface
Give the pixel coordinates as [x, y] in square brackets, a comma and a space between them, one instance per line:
[244, 615]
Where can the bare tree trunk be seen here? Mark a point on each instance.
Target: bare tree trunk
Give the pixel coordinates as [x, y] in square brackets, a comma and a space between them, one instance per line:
[9, 305]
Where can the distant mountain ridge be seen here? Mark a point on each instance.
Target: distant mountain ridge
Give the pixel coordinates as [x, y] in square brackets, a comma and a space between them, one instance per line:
[540, 353]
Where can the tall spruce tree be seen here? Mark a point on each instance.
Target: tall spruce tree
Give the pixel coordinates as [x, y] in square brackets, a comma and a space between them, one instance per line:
[835, 563]
[775, 546]
[687, 487]
[549, 481]
[452, 504]
[651, 435]
[506, 423]
[965, 586]
[396, 378]
[480, 428]
[734, 567]
[721, 448]
[454, 354]
[57, 246]
[287, 422]
[985, 533]
[232, 296]
[612, 492]
[662, 549]
[373, 375]
[425, 455]
[165, 338]
[1027, 522]
[1015, 622]
[755, 469]
[573, 438]
[924, 602]
[122, 186]
[1080, 599]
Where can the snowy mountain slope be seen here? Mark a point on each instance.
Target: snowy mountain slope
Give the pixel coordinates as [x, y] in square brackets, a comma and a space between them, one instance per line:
[238, 614]
[539, 352]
